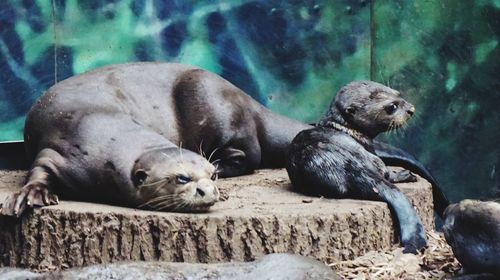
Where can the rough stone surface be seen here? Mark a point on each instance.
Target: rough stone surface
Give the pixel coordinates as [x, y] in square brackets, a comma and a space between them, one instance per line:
[273, 266]
[260, 215]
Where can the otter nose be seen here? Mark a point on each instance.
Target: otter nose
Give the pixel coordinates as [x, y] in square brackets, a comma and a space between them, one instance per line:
[200, 192]
[411, 111]
[207, 191]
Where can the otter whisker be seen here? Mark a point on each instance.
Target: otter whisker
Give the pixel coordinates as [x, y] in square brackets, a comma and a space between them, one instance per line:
[216, 161]
[169, 206]
[404, 128]
[180, 150]
[392, 127]
[161, 203]
[160, 186]
[201, 149]
[184, 205]
[389, 129]
[397, 130]
[152, 184]
[180, 206]
[213, 152]
[217, 170]
[160, 199]
[395, 127]
[167, 203]
[401, 129]
[157, 200]
[148, 204]
[166, 155]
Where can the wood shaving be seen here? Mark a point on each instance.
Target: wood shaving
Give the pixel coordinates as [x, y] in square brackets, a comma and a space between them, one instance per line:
[436, 262]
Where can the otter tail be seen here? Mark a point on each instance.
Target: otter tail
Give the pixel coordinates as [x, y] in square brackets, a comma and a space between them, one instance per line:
[398, 157]
[412, 231]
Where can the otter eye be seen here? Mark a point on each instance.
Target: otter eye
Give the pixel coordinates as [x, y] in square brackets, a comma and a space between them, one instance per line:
[214, 176]
[140, 177]
[391, 108]
[180, 179]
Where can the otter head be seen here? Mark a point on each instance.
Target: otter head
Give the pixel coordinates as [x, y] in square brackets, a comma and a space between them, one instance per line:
[371, 108]
[175, 179]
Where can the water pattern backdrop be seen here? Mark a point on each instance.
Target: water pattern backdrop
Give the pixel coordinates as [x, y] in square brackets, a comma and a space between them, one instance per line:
[292, 56]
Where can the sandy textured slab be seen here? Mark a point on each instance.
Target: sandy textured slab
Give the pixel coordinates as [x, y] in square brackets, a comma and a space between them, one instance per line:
[260, 215]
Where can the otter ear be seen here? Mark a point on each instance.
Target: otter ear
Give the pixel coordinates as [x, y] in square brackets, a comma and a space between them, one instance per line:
[350, 111]
[140, 175]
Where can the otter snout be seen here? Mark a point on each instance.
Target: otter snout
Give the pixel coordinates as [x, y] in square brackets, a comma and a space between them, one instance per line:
[206, 192]
[411, 110]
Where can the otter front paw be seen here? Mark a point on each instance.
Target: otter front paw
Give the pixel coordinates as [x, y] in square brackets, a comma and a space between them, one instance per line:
[416, 242]
[402, 176]
[30, 196]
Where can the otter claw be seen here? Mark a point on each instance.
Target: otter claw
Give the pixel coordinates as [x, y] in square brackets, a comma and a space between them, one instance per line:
[417, 242]
[9, 207]
[418, 247]
[403, 176]
[32, 195]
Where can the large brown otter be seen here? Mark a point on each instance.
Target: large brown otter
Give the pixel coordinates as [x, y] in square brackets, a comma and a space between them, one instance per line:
[336, 159]
[472, 228]
[86, 133]
[91, 135]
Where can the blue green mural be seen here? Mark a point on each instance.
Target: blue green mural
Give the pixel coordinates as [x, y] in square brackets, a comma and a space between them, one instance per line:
[291, 56]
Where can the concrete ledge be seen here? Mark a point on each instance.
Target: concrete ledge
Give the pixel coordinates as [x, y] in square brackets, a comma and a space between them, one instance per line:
[259, 216]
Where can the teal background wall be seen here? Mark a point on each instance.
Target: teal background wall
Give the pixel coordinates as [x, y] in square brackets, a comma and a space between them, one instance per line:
[290, 55]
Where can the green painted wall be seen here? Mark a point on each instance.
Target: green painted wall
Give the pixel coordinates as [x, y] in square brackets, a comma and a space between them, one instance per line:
[292, 56]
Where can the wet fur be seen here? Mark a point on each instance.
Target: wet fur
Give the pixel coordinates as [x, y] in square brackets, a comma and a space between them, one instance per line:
[472, 229]
[326, 161]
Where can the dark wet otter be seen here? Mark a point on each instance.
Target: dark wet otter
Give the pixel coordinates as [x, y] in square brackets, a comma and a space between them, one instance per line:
[472, 228]
[85, 133]
[336, 159]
